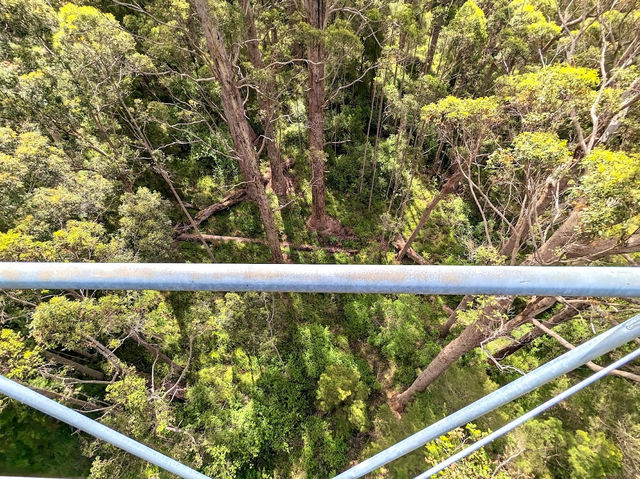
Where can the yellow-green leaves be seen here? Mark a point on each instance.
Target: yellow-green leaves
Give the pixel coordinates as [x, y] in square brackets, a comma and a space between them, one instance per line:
[130, 392]
[83, 26]
[465, 124]
[594, 456]
[145, 226]
[470, 25]
[340, 388]
[478, 465]
[465, 39]
[611, 190]
[548, 97]
[532, 156]
[27, 161]
[83, 195]
[61, 322]
[473, 116]
[86, 241]
[530, 21]
[17, 360]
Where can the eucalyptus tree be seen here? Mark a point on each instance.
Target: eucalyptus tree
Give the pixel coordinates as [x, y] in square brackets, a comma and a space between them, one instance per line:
[552, 220]
[239, 128]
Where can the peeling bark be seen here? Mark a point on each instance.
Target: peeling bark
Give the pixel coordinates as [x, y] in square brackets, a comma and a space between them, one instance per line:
[268, 111]
[239, 128]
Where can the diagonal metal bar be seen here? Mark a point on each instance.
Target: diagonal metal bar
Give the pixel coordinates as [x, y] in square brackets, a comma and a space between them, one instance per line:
[597, 346]
[529, 415]
[489, 280]
[43, 404]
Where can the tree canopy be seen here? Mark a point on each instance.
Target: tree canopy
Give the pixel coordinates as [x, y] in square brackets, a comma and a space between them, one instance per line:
[493, 132]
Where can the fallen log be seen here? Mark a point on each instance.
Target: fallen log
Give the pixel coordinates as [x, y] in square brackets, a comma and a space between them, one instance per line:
[240, 239]
[231, 199]
[399, 243]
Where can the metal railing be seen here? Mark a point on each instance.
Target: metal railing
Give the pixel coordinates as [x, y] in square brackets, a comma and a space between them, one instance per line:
[597, 346]
[486, 280]
[529, 415]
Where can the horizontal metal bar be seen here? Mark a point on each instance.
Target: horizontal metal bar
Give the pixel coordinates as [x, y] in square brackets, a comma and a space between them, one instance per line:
[490, 280]
[43, 404]
[529, 415]
[597, 346]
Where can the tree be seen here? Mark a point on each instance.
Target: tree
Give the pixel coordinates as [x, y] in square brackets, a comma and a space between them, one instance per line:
[316, 17]
[239, 128]
[487, 133]
[266, 100]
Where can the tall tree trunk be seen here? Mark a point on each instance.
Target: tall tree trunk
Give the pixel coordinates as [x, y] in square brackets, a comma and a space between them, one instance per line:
[474, 334]
[438, 22]
[472, 337]
[377, 140]
[267, 107]
[366, 144]
[239, 128]
[511, 246]
[468, 340]
[553, 249]
[315, 11]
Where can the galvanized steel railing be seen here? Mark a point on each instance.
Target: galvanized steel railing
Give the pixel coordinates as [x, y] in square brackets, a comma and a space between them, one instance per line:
[487, 280]
[529, 415]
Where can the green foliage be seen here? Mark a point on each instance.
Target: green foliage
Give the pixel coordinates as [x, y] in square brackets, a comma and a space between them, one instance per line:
[405, 335]
[550, 96]
[17, 360]
[32, 443]
[593, 456]
[340, 388]
[145, 225]
[459, 386]
[478, 465]
[469, 27]
[84, 196]
[533, 102]
[318, 349]
[63, 322]
[27, 162]
[472, 116]
[322, 453]
[611, 189]
[584, 454]
[541, 150]
[446, 236]
[467, 37]
[86, 241]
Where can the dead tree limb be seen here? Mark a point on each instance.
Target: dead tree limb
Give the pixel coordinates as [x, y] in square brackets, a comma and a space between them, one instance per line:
[591, 365]
[561, 317]
[80, 368]
[401, 245]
